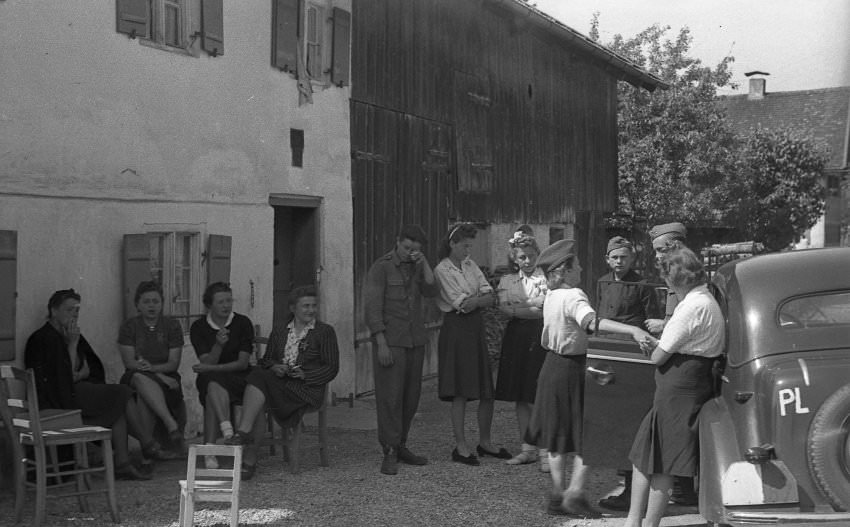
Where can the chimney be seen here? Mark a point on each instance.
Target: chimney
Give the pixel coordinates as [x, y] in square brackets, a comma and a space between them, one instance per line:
[756, 85]
[756, 89]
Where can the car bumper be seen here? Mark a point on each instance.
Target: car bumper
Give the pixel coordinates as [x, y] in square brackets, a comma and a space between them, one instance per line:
[789, 519]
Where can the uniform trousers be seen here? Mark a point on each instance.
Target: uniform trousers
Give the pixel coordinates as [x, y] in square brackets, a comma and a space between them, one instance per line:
[397, 390]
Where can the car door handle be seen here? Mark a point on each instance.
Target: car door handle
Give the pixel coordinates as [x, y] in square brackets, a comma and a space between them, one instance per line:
[602, 374]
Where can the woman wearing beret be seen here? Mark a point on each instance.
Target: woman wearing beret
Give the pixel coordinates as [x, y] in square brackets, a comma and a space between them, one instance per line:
[556, 421]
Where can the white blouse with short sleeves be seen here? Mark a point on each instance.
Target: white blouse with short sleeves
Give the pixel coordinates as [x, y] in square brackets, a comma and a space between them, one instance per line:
[696, 326]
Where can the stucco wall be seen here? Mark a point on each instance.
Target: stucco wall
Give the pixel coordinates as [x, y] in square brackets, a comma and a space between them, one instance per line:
[101, 135]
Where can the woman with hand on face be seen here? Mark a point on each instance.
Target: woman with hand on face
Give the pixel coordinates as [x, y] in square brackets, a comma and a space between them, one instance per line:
[300, 360]
[69, 375]
[464, 364]
[151, 346]
[521, 297]
[223, 341]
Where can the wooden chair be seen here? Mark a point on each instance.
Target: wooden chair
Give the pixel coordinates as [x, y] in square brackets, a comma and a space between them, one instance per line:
[223, 489]
[290, 438]
[43, 431]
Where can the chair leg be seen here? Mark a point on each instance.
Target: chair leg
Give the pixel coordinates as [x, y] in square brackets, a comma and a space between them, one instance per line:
[295, 448]
[189, 515]
[109, 466]
[81, 459]
[270, 427]
[234, 512]
[323, 437]
[20, 485]
[40, 485]
[182, 513]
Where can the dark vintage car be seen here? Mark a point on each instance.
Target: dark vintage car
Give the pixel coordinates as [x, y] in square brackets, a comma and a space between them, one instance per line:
[775, 440]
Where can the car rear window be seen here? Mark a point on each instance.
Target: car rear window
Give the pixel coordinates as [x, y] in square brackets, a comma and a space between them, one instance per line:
[819, 310]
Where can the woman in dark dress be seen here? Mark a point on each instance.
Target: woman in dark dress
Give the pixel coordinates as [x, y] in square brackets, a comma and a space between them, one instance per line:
[69, 375]
[151, 346]
[223, 341]
[301, 358]
[666, 442]
[464, 369]
[521, 295]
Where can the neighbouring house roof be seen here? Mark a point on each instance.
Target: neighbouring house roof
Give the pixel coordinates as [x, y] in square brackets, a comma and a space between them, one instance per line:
[623, 68]
[824, 114]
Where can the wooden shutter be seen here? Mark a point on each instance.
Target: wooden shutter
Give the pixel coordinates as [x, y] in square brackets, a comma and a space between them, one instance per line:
[133, 17]
[212, 27]
[341, 47]
[8, 293]
[218, 258]
[137, 268]
[285, 18]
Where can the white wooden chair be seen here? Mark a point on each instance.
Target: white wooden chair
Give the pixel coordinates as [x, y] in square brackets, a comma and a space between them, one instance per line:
[222, 487]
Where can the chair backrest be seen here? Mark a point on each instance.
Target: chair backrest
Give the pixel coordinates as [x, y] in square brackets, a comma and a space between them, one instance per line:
[232, 475]
[23, 412]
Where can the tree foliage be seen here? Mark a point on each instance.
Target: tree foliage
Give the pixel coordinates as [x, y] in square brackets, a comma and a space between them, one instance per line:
[778, 194]
[679, 159]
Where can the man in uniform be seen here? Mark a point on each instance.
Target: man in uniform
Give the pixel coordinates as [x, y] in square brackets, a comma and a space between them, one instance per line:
[623, 295]
[395, 286]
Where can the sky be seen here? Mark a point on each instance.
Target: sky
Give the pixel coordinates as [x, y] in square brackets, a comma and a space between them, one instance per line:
[803, 44]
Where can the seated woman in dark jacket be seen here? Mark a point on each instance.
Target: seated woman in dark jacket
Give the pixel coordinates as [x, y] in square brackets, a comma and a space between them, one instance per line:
[301, 358]
[68, 374]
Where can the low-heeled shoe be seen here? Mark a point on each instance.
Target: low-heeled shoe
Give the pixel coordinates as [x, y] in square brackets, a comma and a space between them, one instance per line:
[239, 438]
[579, 506]
[406, 456]
[501, 454]
[247, 471]
[466, 460]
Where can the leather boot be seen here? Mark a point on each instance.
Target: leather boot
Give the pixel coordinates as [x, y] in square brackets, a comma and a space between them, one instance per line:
[390, 464]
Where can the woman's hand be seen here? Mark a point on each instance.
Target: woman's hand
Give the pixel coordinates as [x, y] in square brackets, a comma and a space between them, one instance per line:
[469, 304]
[648, 345]
[536, 301]
[654, 325]
[83, 372]
[143, 365]
[72, 332]
[201, 367]
[171, 382]
[280, 370]
[296, 372]
[222, 336]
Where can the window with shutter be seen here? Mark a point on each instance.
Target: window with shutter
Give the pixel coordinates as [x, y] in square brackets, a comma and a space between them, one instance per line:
[313, 41]
[285, 34]
[8, 293]
[174, 25]
[340, 60]
[172, 259]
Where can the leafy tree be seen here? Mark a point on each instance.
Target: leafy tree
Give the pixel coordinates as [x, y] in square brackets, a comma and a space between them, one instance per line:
[675, 148]
[778, 194]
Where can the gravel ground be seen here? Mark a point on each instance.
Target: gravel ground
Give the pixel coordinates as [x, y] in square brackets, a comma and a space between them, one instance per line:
[352, 492]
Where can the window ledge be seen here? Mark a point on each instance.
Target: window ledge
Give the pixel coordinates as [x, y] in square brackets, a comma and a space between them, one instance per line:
[190, 52]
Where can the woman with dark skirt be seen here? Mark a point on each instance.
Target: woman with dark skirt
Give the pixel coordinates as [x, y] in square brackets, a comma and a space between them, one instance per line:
[666, 444]
[151, 346]
[69, 375]
[300, 360]
[464, 364]
[521, 295]
[223, 341]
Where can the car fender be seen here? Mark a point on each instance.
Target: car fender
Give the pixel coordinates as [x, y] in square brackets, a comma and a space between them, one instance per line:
[718, 447]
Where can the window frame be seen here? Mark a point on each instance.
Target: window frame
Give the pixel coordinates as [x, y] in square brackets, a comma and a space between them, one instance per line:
[170, 234]
[321, 41]
[188, 22]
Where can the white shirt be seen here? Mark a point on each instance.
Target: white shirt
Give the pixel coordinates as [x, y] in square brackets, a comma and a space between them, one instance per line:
[456, 285]
[696, 327]
[518, 288]
[563, 312]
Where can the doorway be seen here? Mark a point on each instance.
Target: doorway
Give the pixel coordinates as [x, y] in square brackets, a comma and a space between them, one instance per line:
[295, 251]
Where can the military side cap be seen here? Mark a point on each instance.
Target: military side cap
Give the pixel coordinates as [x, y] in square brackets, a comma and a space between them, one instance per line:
[618, 242]
[556, 254]
[675, 229]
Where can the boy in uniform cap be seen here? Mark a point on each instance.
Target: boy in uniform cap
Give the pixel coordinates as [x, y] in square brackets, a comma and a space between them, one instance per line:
[556, 421]
[623, 295]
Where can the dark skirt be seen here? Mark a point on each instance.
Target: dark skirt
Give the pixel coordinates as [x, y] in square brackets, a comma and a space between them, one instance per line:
[232, 381]
[557, 418]
[173, 397]
[667, 441]
[281, 397]
[521, 360]
[101, 404]
[464, 364]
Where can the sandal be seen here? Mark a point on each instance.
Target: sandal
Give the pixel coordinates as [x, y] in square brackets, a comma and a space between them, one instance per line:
[523, 458]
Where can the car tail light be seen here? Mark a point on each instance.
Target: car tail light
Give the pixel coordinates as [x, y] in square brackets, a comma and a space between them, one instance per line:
[758, 455]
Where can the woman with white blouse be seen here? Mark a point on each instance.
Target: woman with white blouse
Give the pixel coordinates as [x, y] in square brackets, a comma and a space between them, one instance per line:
[464, 364]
